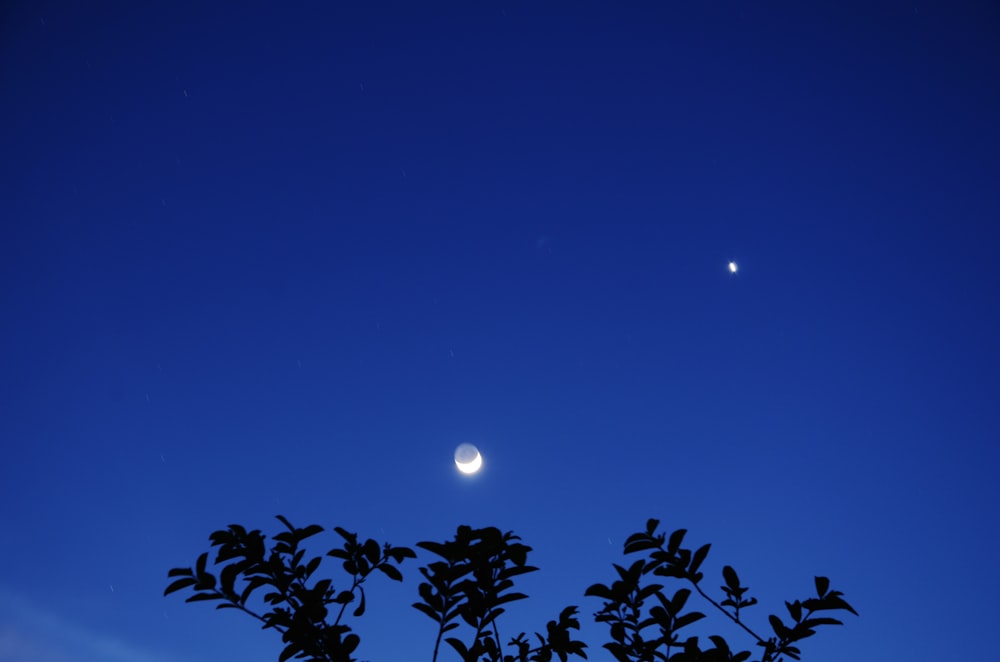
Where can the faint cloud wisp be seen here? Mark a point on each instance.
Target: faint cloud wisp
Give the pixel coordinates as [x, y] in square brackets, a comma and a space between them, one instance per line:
[30, 634]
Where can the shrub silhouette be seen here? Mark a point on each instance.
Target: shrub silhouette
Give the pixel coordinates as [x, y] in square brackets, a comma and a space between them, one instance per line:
[466, 586]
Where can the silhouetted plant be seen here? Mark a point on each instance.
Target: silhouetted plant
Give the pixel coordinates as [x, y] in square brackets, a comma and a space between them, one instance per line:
[469, 583]
[640, 635]
[299, 611]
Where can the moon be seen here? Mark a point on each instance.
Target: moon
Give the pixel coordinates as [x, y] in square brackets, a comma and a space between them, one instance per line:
[732, 267]
[467, 459]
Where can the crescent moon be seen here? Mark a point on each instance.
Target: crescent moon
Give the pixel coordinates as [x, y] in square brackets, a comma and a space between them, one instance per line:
[465, 463]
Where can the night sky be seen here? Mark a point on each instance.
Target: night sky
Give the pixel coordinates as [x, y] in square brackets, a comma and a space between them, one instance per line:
[259, 260]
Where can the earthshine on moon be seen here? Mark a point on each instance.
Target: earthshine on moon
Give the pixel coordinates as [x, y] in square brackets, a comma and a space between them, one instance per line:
[467, 459]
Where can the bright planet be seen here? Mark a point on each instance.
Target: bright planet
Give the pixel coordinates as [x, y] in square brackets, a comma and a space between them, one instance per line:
[467, 459]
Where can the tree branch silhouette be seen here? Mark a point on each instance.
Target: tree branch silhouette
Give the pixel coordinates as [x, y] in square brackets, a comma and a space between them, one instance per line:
[467, 586]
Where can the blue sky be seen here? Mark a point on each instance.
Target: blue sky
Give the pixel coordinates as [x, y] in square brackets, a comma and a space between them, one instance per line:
[261, 260]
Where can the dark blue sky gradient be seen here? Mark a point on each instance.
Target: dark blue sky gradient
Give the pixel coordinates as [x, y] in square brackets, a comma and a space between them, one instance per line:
[261, 260]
